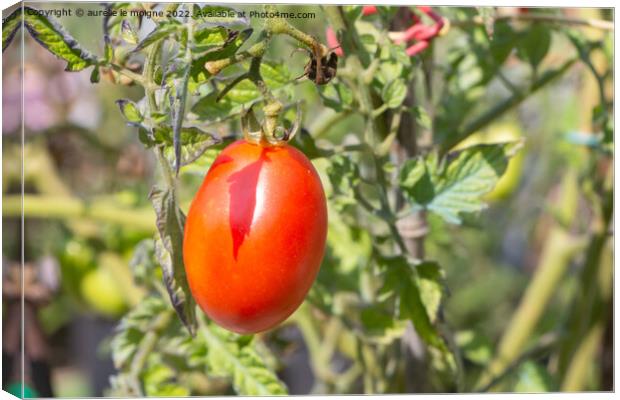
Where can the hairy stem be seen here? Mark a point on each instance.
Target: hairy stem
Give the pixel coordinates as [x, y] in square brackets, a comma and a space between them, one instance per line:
[257, 50]
[280, 26]
[179, 114]
[132, 75]
[148, 73]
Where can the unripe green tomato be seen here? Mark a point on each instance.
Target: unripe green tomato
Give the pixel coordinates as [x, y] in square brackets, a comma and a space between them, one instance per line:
[77, 255]
[101, 292]
[76, 259]
[509, 181]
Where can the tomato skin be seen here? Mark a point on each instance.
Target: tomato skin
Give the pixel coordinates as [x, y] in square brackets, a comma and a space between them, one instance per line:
[255, 236]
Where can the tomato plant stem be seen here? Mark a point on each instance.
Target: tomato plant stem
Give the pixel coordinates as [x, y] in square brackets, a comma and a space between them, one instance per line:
[594, 297]
[179, 113]
[354, 63]
[559, 250]
[576, 376]
[279, 25]
[148, 75]
[130, 74]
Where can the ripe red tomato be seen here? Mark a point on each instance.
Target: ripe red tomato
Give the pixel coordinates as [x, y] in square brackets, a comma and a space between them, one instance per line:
[255, 236]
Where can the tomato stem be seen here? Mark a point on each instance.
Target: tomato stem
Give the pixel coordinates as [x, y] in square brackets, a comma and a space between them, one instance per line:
[279, 25]
[152, 107]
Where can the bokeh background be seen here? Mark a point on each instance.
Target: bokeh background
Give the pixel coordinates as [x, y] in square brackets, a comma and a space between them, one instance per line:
[87, 178]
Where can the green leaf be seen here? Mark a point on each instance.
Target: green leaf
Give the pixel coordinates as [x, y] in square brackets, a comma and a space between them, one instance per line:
[422, 117]
[503, 41]
[206, 50]
[202, 164]
[475, 347]
[430, 281]
[130, 111]
[108, 52]
[388, 70]
[143, 263]
[128, 33]
[380, 326]
[233, 42]
[401, 282]
[160, 32]
[228, 356]
[218, 15]
[159, 380]
[207, 38]
[209, 108]
[193, 141]
[54, 38]
[94, 75]
[412, 308]
[275, 75]
[395, 63]
[336, 96]
[167, 390]
[169, 252]
[133, 327]
[457, 186]
[149, 327]
[418, 177]
[534, 44]
[306, 143]
[351, 13]
[402, 286]
[244, 94]
[10, 26]
[218, 42]
[369, 35]
[344, 176]
[394, 93]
